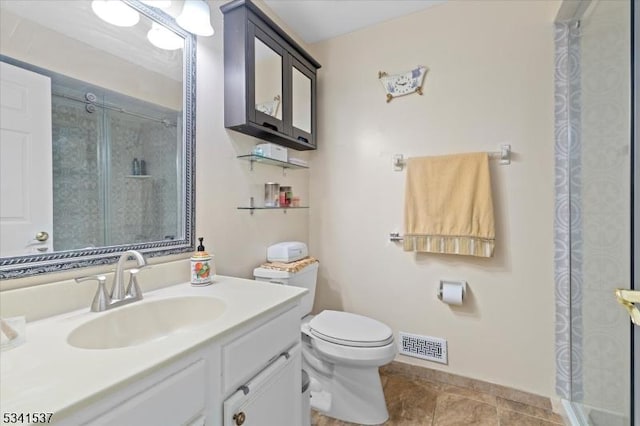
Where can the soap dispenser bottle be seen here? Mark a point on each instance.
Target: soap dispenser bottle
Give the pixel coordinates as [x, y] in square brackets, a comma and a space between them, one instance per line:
[202, 266]
[135, 167]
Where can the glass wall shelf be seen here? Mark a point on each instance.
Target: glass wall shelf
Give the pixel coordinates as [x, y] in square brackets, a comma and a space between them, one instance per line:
[253, 158]
[272, 208]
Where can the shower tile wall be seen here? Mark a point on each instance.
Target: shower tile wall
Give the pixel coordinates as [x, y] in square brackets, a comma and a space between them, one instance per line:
[140, 205]
[137, 209]
[77, 216]
[161, 152]
[605, 206]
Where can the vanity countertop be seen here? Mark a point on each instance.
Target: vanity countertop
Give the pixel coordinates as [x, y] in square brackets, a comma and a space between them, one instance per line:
[46, 374]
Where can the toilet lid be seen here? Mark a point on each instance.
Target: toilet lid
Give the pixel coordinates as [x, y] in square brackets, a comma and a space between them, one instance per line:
[349, 329]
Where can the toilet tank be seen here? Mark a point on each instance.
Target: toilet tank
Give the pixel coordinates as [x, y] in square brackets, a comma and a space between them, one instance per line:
[305, 278]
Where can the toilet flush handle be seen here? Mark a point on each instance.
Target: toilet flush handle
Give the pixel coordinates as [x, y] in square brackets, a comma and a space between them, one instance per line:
[305, 328]
[239, 418]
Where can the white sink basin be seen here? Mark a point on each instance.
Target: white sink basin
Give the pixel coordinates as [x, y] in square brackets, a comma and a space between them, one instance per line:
[143, 322]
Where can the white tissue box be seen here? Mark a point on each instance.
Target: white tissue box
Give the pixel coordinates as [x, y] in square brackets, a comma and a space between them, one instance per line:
[287, 252]
[271, 150]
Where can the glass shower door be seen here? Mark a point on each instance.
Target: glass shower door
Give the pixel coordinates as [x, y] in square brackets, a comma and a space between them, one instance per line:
[144, 152]
[77, 121]
[601, 216]
[635, 362]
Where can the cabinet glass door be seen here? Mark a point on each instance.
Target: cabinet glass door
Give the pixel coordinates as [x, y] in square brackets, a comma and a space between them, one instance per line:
[302, 91]
[301, 101]
[268, 82]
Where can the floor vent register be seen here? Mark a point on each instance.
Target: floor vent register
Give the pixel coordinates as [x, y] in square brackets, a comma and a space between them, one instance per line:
[425, 347]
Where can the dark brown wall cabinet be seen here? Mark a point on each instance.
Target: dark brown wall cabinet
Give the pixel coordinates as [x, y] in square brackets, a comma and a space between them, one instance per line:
[269, 80]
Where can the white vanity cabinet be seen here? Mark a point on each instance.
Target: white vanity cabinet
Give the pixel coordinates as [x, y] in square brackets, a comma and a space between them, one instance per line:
[252, 373]
[262, 374]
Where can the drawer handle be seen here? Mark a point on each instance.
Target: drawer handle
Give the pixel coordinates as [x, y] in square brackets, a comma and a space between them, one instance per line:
[239, 418]
[305, 140]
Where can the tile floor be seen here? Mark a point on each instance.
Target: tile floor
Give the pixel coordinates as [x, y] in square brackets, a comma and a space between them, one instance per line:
[415, 401]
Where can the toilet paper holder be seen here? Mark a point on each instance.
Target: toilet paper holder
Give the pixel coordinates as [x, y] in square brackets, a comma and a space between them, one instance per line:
[463, 284]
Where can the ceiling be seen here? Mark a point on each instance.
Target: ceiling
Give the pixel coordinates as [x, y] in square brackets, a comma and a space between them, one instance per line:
[317, 20]
[76, 20]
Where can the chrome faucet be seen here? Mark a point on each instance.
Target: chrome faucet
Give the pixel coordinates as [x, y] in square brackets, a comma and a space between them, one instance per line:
[117, 290]
[118, 296]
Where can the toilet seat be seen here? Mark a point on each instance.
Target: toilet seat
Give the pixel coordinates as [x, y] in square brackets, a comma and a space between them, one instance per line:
[360, 357]
[347, 329]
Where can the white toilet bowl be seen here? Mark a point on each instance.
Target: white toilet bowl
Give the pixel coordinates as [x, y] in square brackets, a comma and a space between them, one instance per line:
[341, 352]
[343, 362]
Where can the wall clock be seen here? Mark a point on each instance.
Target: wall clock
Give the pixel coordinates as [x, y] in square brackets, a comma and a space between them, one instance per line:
[404, 83]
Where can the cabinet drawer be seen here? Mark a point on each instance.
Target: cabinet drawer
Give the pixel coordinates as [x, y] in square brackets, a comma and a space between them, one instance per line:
[175, 400]
[246, 355]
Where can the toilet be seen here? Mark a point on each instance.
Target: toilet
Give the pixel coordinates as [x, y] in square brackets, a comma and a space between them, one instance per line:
[341, 351]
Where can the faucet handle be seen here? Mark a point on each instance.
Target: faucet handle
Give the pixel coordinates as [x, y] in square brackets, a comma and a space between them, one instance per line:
[101, 300]
[133, 289]
[98, 278]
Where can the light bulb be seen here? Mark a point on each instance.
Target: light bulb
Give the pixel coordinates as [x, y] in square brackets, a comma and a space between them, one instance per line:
[195, 18]
[115, 12]
[164, 38]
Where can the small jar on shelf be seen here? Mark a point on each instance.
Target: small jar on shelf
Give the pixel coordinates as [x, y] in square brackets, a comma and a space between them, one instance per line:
[286, 195]
[271, 194]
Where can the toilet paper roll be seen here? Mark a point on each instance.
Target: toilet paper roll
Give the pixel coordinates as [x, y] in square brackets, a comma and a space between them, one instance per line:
[452, 293]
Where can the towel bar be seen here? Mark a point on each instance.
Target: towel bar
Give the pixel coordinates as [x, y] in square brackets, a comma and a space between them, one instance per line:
[504, 155]
[395, 237]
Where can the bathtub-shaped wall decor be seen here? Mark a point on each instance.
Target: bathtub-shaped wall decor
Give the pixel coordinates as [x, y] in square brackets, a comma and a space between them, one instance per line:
[404, 83]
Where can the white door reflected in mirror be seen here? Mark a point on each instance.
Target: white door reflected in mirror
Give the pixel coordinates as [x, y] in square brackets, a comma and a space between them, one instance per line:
[26, 206]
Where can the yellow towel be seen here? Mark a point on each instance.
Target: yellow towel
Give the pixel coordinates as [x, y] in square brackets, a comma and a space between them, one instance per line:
[290, 267]
[448, 205]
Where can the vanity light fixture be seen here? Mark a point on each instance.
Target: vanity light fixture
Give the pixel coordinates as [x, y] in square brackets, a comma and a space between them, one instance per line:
[160, 4]
[164, 38]
[115, 12]
[196, 18]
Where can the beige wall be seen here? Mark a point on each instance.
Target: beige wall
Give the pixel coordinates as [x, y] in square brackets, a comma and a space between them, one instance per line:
[490, 81]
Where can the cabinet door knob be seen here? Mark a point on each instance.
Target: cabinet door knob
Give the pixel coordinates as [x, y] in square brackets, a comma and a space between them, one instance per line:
[239, 418]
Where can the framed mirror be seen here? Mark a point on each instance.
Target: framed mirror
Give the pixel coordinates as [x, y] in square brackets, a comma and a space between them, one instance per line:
[97, 135]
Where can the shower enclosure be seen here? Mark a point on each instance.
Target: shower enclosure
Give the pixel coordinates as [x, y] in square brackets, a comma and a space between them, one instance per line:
[98, 197]
[594, 211]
